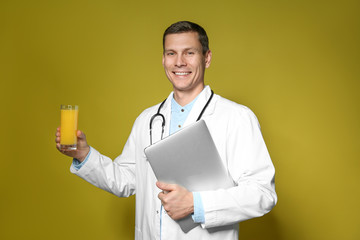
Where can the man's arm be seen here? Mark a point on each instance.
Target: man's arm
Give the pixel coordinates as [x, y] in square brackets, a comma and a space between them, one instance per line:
[251, 168]
[100, 170]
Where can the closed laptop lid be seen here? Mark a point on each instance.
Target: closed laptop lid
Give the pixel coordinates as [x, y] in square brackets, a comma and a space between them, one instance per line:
[189, 158]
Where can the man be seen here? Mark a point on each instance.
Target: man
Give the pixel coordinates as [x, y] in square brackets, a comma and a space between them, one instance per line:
[235, 131]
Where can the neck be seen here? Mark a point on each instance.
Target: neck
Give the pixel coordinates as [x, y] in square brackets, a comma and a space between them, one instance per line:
[183, 98]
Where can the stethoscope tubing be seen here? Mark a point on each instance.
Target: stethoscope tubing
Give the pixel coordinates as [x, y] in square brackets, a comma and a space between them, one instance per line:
[158, 114]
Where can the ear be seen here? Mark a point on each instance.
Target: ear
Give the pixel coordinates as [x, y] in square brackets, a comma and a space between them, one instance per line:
[163, 59]
[208, 56]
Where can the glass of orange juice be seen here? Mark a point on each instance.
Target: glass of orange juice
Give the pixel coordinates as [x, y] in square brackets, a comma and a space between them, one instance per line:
[68, 127]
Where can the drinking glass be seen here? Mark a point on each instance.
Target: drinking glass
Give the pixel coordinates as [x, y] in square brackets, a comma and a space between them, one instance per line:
[69, 126]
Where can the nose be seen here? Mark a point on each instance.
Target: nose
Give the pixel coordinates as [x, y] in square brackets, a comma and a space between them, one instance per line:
[180, 61]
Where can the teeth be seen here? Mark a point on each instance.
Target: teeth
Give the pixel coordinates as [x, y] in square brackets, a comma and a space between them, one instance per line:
[182, 73]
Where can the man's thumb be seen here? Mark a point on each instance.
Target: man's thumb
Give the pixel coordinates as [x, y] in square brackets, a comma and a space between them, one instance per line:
[80, 134]
[165, 186]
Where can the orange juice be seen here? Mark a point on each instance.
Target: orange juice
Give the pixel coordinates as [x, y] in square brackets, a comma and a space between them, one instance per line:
[69, 125]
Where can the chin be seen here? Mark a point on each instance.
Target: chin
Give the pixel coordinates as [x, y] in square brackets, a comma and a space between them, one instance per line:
[181, 87]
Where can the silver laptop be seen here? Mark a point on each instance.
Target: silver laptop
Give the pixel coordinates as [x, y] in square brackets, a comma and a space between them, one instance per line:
[189, 158]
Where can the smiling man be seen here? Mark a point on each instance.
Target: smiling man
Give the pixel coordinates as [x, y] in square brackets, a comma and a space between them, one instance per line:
[237, 136]
[184, 62]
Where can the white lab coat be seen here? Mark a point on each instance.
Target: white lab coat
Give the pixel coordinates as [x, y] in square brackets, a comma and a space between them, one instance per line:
[237, 136]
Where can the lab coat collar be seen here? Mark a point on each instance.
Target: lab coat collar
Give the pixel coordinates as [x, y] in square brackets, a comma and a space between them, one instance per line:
[195, 111]
[199, 105]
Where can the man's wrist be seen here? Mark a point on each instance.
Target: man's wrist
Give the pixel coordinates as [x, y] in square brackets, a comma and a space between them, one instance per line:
[85, 154]
[77, 164]
[198, 215]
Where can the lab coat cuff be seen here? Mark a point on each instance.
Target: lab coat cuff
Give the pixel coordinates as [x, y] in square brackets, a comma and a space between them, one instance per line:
[77, 164]
[210, 210]
[86, 165]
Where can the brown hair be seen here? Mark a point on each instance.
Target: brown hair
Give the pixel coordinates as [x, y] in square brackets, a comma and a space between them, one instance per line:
[186, 26]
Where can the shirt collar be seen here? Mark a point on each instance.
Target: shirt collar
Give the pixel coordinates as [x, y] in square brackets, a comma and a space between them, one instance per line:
[175, 107]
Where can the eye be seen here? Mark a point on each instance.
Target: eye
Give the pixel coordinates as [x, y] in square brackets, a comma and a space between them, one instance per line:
[170, 54]
[190, 53]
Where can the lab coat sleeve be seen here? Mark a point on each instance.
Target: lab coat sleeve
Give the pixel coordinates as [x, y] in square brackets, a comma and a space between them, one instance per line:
[116, 177]
[250, 166]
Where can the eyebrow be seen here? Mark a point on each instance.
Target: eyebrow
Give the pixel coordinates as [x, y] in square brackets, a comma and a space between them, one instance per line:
[186, 49]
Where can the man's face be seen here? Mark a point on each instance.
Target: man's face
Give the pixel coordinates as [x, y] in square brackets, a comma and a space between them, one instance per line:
[184, 62]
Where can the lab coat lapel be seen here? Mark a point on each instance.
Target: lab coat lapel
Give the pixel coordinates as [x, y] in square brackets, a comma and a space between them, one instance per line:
[157, 122]
[199, 105]
[167, 113]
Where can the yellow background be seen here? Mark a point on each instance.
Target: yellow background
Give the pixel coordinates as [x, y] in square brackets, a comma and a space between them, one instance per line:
[294, 63]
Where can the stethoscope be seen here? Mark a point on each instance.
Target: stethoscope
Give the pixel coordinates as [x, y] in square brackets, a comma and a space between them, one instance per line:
[158, 114]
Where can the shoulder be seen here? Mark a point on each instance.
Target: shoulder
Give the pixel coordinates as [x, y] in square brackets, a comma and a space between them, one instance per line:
[141, 123]
[234, 113]
[147, 113]
[231, 107]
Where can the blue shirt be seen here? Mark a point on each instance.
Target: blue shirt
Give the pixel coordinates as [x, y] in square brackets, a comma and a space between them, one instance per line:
[179, 115]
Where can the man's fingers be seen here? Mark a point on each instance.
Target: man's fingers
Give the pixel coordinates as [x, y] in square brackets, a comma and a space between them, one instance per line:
[57, 135]
[161, 195]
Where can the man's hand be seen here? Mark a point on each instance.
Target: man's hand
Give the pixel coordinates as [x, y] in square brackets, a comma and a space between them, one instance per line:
[177, 201]
[82, 147]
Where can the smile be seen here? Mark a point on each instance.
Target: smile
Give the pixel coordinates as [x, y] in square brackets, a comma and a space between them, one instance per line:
[181, 73]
